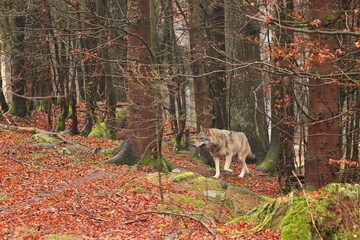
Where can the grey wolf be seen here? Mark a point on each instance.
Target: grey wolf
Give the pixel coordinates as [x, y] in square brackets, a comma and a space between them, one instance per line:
[225, 144]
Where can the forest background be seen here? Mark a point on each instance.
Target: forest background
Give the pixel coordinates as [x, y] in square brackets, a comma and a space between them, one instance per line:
[286, 73]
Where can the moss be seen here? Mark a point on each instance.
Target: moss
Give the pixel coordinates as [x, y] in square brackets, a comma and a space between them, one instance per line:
[154, 163]
[41, 107]
[44, 138]
[184, 176]
[121, 114]
[99, 130]
[165, 207]
[336, 211]
[209, 181]
[269, 163]
[60, 126]
[297, 222]
[162, 207]
[191, 201]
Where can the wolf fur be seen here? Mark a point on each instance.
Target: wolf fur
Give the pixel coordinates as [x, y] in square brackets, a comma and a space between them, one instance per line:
[225, 144]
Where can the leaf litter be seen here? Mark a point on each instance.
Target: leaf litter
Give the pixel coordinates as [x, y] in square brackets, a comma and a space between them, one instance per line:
[45, 193]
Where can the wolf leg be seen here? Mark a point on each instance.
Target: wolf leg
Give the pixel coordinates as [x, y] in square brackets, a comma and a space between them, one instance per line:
[217, 167]
[243, 167]
[227, 164]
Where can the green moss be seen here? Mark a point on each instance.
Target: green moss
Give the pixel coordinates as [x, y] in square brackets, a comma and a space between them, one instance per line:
[121, 114]
[41, 107]
[191, 201]
[154, 163]
[297, 222]
[162, 207]
[60, 126]
[99, 130]
[184, 176]
[337, 198]
[44, 138]
[165, 207]
[325, 207]
[269, 163]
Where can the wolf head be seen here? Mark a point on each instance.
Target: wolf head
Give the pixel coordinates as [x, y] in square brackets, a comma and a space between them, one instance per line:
[203, 138]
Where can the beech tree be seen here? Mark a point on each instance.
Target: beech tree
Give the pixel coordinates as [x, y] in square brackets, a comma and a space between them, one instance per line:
[18, 55]
[143, 128]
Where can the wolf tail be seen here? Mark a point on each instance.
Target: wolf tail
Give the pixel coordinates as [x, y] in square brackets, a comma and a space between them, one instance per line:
[251, 156]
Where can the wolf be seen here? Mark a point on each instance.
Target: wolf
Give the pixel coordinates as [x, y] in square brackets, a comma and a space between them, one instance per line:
[225, 144]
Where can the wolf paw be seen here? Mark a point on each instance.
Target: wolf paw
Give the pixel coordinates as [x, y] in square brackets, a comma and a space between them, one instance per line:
[216, 176]
[228, 170]
[241, 175]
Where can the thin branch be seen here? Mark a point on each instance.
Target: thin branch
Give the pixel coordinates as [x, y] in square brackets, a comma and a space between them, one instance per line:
[213, 233]
[307, 31]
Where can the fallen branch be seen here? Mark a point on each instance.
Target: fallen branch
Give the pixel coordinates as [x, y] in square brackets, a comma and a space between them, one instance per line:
[34, 130]
[213, 233]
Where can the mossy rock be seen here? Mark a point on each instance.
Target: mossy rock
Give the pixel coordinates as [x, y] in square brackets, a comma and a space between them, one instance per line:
[335, 210]
[207, 196]
[184, 176]
[44, 138]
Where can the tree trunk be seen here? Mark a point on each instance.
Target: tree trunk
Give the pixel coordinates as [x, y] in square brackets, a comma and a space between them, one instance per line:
[323, 133]
[283, 104]
[62, 84]
[245, 94]
[102, 5]
[3, 103]
[18, 74]
[90, 65]
[217, 65]
[197, 40]
[143, 129]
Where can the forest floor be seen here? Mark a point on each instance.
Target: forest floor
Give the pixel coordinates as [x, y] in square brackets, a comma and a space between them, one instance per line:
[47, 192]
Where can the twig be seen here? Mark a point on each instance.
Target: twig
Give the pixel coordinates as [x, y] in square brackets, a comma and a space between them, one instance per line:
[91, 215]
[137, 220]
[4, 115]
[213, 233]
[308, 205]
